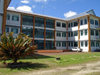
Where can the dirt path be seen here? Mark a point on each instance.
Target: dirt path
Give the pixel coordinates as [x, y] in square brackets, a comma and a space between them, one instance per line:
[82, 69]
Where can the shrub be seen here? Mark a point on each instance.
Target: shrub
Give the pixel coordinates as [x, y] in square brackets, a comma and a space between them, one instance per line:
[15, 48]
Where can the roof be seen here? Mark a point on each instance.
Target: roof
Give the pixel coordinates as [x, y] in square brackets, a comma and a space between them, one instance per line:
[8, 2]
[30, 13]
[89, 12]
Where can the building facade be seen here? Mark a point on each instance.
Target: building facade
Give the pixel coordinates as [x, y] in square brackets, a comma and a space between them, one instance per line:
[50, 33]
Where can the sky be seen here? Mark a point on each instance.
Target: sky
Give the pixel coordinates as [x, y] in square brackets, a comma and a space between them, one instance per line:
[56, 8]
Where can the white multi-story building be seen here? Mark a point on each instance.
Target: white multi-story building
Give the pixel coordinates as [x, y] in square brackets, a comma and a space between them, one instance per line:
[54, 33]
[3, 9]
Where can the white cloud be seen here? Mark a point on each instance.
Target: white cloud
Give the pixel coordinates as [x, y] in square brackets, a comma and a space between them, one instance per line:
[40, 0]
[24, 8]
[69, 14]
[11, 8]
[25, 1]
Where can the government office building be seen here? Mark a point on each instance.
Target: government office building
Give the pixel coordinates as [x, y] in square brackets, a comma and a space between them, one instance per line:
[50, 33]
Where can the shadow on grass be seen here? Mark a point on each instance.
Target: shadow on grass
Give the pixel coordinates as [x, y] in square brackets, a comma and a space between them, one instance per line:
[26, 66]
[37, 56]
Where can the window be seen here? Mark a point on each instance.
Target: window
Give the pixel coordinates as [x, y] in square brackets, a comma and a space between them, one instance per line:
[8, 17]
[91, 21]
[39, 22]
[92, 43]
[75, 33]
[63, 34]
[49, 23]
[69, 25]
[39, 33]
[50, 34]
[15, 18]
[7, 29]
[27, 20]
[96, 22]
[97, 44]
[86, 43]
[75, 44]
[15, 30]
[39, 43]
[82, 43]
[85, 32]
[49, 44]
[71, 34]
[81, 32]
[28, 31]
[75, 23]
[58, 44]
[71, 44]
[85, 21]
[64, 25]
[59, 34]
[92, 32]
[58, 24]
[97, 33]
[63, 44]
[81, 22]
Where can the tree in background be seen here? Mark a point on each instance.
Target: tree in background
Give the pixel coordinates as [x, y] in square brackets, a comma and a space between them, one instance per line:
[15, 48]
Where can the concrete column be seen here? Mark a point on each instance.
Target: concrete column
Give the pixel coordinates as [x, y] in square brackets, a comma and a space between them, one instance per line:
[89, 35]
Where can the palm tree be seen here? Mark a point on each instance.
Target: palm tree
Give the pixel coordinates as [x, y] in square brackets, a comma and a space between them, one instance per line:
[15, 48]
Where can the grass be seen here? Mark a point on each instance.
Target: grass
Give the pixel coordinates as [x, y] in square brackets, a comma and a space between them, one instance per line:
[48, 62]
[94, 73]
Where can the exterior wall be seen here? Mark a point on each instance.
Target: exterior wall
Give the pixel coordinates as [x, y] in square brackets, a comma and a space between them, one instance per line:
[79, 38]
[72, 29]
[61, 39]
[13, 24]
[10, 23]
[84, 37]
[1, 14]
[1, 6]
[94, 37]
[0, 24]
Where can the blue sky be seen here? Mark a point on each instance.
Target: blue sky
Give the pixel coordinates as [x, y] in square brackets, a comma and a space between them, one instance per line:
[56, 8]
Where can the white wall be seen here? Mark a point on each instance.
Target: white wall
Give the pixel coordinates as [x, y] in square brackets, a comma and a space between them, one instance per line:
[93, 25]
[60, 29]
[13, 23]
[61, 47]
[82, 38]
[72, 29]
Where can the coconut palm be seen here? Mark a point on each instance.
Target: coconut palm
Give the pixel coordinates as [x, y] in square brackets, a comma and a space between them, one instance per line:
[15, 48]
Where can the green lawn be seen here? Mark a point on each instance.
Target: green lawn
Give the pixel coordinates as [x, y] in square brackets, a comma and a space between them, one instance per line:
[94, 73]
[48, 62]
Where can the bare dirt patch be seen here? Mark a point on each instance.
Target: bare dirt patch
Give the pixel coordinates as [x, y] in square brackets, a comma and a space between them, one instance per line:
[82, 69]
